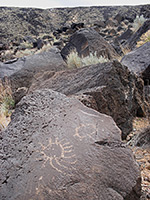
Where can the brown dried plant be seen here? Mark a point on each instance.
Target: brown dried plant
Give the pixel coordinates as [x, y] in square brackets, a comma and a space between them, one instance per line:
[144, 38]
[6, 102]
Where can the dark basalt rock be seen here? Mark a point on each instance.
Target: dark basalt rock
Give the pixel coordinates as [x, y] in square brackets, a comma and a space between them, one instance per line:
[116, 91]
[86, 41]
[33, 21]
[132, 41]
[21, 71]
[138, 61]
[56, 148]
[119, 17]
[125, 36]
[100, 24]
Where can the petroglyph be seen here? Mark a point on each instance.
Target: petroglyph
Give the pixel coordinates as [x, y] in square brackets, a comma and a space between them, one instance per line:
[58, 154]
[89, 129]
[91, 115]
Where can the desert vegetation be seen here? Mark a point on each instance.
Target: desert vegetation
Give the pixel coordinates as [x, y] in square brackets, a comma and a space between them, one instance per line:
[138, 22]
[6, 103]
[75, 61]
[51, 129]
[144, 38]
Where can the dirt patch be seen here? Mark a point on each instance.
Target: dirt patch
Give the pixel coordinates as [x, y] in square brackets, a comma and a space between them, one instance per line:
[142, 156]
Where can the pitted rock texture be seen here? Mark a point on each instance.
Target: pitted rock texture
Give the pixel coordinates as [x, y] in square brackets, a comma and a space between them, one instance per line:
[138, 61]
[114, 90]
[56, 148]
[22, 72]
[86, 41]
[29, 65]
[36, 21]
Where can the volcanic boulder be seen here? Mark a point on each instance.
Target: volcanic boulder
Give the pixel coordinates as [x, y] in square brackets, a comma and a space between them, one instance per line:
[132, 41]
[22, 71]
[138, 61]
[56, 148]
[86, 41]
[114, 90]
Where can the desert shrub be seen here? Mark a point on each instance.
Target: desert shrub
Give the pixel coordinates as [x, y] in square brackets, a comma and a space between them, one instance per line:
[93, 59]
[45, 47]
[27, 45]
[23, 53]
[28, 52]
[144, 38]
[74, 61]
[6, 102]
[138, 22]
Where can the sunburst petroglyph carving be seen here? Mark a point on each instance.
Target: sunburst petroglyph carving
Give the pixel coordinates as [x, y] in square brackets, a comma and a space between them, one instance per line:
[58, 154]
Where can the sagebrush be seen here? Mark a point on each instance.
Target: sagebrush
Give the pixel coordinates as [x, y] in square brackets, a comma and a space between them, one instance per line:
[138, 22]
[75, 61]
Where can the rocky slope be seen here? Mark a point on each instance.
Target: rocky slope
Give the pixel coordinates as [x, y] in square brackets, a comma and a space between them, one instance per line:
[16, 22]
[48, 127]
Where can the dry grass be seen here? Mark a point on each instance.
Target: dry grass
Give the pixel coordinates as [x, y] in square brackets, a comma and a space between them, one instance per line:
[74, 61]
[140, 123]
[125, 50]
[28, 52]
[142, 155]
[144, 38]
[6, 103]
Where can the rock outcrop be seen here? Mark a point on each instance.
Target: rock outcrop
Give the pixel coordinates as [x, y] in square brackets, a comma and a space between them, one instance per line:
[57, 148]
[112, 88]
[50, 60]
[22, 71]
[86, 41]
[138, 61]
[32, 21]
[132, 41]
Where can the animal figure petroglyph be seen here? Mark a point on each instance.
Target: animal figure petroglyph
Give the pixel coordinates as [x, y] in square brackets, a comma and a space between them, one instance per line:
[85, 131]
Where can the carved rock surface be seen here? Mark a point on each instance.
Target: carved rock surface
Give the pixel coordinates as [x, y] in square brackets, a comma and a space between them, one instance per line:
[115, 90]
[57, 148]
[86, 41]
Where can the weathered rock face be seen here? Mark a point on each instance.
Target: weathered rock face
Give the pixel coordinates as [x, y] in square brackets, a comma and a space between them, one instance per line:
[22, 71]
[56, 148]
[131, 43]
[113, 90]
[86, 41]
[50, 60]
[125, 35]
[138, 61]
